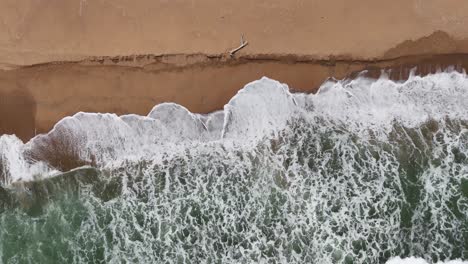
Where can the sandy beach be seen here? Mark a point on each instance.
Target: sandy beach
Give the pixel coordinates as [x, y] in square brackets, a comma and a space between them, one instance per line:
[220, 131]
[62, 57]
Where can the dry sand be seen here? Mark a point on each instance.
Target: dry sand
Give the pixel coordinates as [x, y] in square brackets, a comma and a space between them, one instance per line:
[33, 31]
[61, 56]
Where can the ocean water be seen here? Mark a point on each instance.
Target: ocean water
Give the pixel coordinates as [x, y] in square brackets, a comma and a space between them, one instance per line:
[364, 171]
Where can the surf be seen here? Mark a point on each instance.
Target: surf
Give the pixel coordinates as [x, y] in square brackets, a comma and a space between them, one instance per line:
[360, 172]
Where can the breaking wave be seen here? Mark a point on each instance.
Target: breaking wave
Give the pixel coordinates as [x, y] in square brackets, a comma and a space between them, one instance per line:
[363, 171]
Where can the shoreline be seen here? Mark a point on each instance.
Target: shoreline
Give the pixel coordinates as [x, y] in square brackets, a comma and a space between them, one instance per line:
[34, 98]
[63, 57]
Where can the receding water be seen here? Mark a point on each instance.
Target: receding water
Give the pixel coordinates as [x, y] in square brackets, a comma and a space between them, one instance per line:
[364, 171]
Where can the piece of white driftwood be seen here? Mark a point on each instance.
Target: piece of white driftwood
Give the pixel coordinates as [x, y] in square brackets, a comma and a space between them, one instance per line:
[242, 45]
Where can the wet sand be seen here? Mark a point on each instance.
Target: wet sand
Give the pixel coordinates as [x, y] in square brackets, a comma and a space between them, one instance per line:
[35, 98]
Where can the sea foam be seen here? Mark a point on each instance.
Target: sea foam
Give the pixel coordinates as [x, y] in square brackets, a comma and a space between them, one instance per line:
[413, 260]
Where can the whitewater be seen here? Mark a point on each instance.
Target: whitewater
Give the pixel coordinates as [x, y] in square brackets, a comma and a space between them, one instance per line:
[363, 171]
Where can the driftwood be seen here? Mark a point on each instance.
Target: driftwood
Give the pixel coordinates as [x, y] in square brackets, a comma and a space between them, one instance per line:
[242, 45]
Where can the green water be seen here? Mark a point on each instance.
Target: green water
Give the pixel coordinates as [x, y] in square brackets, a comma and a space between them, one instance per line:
[317, 193]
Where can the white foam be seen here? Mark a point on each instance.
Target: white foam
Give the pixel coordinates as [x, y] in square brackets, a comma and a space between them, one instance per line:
[413, 260]
[377, 103]
[180, 124]
[13, 164]
[261, 108]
